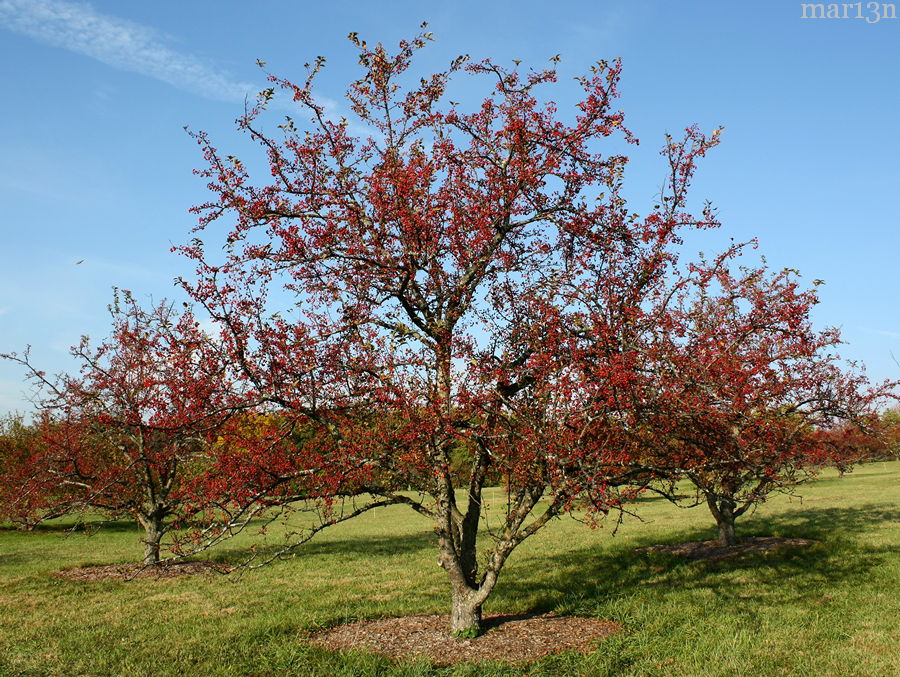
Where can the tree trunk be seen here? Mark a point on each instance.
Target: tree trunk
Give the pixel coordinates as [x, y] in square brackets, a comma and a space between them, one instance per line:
[724, 514]
[465, 614]
[726, 532]
[154, 529]
[458, 557]
[724, 509]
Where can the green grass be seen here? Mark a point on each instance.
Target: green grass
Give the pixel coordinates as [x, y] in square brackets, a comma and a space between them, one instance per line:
[830, 609]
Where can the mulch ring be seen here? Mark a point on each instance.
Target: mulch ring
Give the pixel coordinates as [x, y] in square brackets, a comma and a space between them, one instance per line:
[513, 639]
[127, 572]
[711, 550]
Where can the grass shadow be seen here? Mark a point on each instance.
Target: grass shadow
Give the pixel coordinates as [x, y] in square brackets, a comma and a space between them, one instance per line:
[819, 523]
[89, 527]
[577, 581]
[357, 546]
[13, 559]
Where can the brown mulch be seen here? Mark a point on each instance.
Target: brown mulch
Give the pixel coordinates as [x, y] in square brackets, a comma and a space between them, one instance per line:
[507, 638]
[711, 550]
[127, 572]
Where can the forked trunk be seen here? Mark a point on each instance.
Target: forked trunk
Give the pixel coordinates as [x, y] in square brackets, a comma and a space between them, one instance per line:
[153, 533]
[723, 511]
[468, 592]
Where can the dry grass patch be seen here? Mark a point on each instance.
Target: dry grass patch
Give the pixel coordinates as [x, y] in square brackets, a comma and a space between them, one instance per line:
[128, 572]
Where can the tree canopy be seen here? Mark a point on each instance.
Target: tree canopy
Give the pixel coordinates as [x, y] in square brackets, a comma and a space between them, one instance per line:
[448, 282]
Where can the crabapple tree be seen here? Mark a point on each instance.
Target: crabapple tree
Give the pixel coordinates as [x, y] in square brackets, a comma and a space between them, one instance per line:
[120, 436]
[427, 283]
[744, 396]
[18, 441]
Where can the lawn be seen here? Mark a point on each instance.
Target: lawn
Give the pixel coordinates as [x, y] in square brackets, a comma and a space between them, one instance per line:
[829, 609]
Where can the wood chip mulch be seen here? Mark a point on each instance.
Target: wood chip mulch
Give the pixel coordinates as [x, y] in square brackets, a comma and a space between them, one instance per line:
[712, 551]
[127, 572]
[513, 639]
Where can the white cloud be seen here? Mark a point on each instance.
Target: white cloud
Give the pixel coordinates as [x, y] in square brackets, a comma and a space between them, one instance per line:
[120, 43]
[882, 332]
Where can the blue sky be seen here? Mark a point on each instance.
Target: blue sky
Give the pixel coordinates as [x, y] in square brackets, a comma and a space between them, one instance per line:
[96, 166]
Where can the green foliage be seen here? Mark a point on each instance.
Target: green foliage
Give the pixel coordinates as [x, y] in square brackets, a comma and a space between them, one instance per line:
[891, 421]
[468, 633]
[826, 610]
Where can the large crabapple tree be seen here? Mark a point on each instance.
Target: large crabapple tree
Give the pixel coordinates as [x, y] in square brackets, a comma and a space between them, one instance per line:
[121, 436]
[745, 397]
[419, 282]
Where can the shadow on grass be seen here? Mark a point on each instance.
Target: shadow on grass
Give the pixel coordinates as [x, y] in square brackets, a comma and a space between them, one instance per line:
[648, 498]
[582, 572]
[357, 547]
[581, 579]
[819, 523]
[587, 580]
[86, 527]
[577, 581]
[13, 559]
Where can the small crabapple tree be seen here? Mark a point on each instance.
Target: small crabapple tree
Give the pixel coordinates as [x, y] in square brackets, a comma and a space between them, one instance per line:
[120, 436]
[877, 441]
[18, 442]
[744, 397]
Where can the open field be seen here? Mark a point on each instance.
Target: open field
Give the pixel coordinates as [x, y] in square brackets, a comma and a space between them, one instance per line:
[830, 609]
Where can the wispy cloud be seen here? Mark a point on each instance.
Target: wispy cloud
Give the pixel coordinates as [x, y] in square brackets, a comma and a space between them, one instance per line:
[118, 42]
[883, 332]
